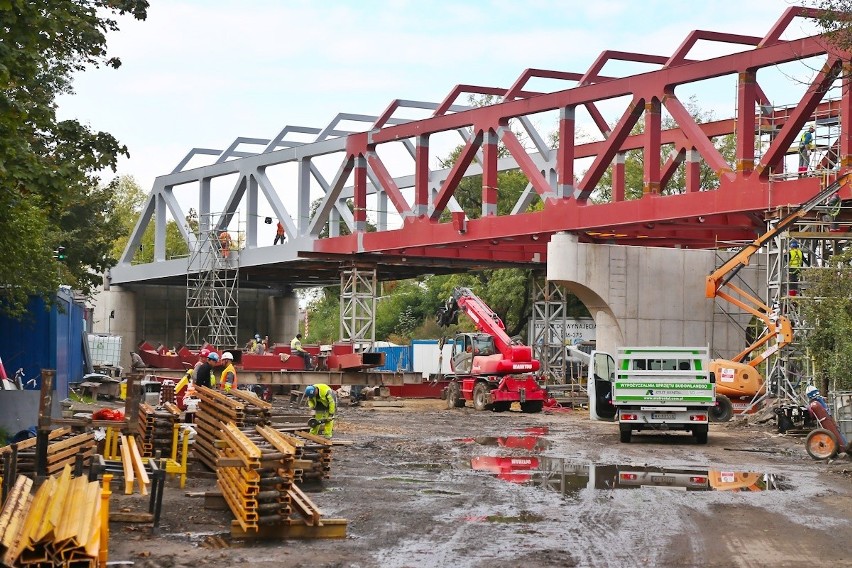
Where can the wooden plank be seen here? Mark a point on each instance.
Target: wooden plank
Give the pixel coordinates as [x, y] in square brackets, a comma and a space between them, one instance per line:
[138, 466]
[127, 465]
[130, 517]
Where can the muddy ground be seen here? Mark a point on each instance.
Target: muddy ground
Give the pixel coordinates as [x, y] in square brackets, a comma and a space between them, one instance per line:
[409, 488]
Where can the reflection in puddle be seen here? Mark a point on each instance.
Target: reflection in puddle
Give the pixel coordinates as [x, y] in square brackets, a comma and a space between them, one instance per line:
[568, 478]
[531, 441]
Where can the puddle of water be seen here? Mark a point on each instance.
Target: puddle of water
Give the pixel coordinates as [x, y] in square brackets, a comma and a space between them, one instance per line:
[569, 478]
[531, 440]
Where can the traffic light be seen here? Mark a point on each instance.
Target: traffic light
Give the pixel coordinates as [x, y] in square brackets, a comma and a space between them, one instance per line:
[59, 254]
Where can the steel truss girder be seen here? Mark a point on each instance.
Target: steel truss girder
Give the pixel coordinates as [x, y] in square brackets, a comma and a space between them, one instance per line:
[566, 203]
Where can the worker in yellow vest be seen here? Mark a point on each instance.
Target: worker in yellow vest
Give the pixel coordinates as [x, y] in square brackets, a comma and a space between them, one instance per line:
[228, 378]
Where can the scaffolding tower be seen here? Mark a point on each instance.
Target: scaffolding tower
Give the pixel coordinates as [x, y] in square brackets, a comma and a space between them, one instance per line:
[548, 330]
[358, 304]
[212, 291]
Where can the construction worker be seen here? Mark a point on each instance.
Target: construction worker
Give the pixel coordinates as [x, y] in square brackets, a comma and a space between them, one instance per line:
[794, 266]
[806, 146]
[323, 400]
[204, 375]
[279, 234]
[225, 243]
[228, 378]
[296, 349]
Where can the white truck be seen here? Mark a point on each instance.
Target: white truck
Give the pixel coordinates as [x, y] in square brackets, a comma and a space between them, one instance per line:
[652, 388]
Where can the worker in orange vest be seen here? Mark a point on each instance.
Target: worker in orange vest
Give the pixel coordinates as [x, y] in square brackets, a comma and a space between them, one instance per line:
[225, 243]
[279, 234]
[228, 378]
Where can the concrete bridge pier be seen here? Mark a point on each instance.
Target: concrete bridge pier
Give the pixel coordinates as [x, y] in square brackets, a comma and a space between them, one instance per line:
[646, 295]
[283, 316]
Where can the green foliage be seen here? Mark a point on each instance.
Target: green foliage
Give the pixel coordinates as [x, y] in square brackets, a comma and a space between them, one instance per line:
[129, 199]
[838, 26]
[827, 310]
[634, 162]
[324, 317]
[49, 189]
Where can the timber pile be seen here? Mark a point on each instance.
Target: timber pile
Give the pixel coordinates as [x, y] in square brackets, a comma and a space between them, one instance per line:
[157, 428]
[215, 409]
[59, 526]
[62, 449]
[257, 473]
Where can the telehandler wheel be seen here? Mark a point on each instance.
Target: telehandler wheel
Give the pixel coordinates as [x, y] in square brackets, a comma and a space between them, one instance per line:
[624, 433]
[480, 396]
[700, 433]
[454, 398]
[723, 411]
[821, 444]
[532, 406]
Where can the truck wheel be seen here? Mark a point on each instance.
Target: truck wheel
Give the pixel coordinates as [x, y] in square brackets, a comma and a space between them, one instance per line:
[453, 396]
[723, 410]
[821, 444]
[532, 406]
[624, 433]
[480, 396]
[700, 434]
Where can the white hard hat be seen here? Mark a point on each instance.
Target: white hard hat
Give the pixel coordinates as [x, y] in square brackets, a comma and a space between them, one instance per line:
[227, 355]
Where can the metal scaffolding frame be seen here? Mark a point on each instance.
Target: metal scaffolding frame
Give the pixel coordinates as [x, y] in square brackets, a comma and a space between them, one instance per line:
[212, 291]
[358, 304]
[548, 330]
[789, 369]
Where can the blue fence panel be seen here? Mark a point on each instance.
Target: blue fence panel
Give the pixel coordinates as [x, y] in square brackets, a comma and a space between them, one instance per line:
[397, 358]
[46, 339]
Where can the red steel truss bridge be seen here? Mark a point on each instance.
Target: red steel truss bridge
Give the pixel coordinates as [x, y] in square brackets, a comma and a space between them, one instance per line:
[575, 184]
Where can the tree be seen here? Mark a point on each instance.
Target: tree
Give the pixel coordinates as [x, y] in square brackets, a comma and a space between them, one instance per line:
[837, 24]
[827, 311]
[49, 187]
[634, 160]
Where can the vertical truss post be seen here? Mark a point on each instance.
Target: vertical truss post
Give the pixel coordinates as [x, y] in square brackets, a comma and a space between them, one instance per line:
[358, 304]
[212, 291]
[548, 330]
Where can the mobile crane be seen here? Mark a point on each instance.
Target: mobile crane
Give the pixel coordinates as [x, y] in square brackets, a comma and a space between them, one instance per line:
[739, 377]
[490, 369]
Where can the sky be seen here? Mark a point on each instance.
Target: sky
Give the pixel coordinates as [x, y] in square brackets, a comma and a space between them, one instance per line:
[200, 73]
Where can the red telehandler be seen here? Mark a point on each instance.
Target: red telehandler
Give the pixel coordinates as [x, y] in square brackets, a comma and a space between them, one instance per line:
[489, 368]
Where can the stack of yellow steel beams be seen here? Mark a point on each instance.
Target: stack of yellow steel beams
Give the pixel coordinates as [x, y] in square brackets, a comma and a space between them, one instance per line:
[156, 428]
[62, 449]
[217, 408]
[64, 524]
[257, 489]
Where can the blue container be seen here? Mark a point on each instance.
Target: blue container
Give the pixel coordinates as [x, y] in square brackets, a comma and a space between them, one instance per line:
[46, 339]
[397, 358]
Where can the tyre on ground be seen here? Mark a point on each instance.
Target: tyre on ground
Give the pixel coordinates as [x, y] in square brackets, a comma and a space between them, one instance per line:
[723, 410]
[700, 433]
[822, 444]
[480, 396]
[624, 433]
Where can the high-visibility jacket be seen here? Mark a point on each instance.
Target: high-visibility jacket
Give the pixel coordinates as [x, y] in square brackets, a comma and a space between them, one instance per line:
[796, 258]
[295, 345]
[324, 400]
[224, 378]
